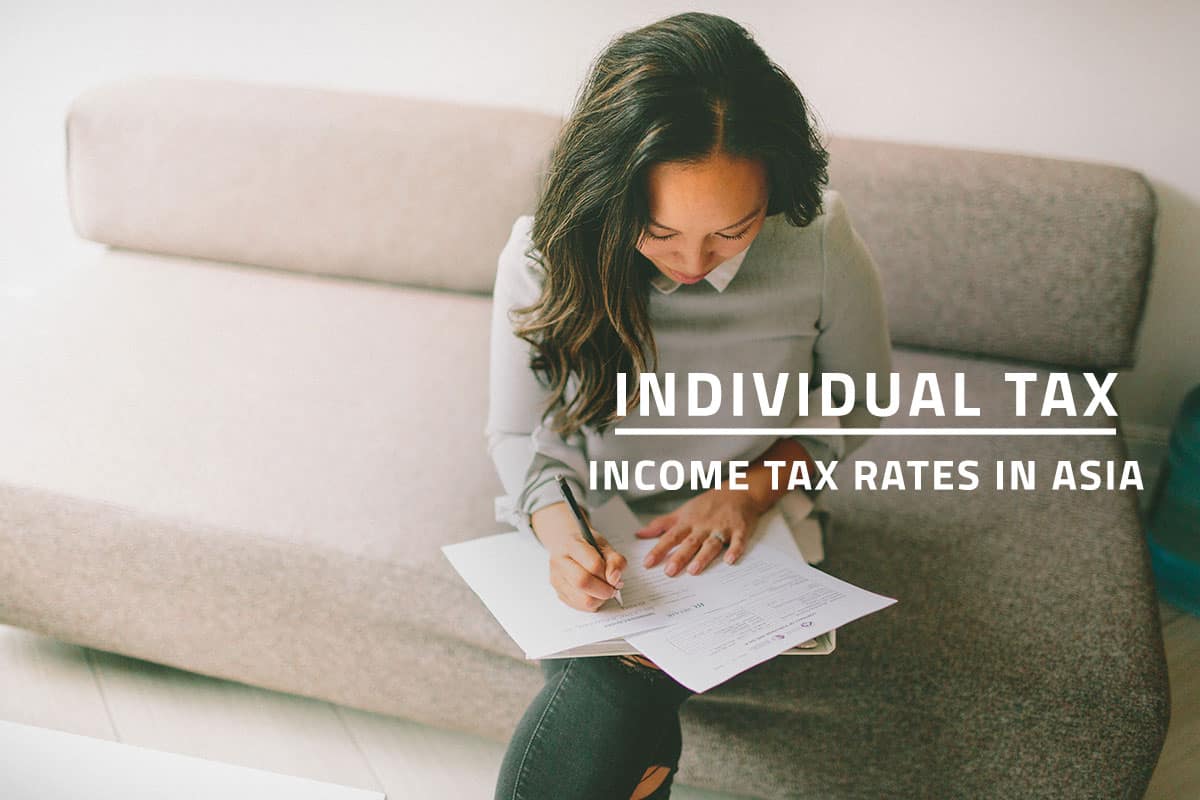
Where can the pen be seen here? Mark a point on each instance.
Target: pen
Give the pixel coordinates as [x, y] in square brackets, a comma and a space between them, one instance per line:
[584, 528]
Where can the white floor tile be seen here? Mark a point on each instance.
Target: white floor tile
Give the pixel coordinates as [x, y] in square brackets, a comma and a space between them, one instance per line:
[170, 709]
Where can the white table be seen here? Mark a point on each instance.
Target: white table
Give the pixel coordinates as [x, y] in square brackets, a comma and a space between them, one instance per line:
[46, 764]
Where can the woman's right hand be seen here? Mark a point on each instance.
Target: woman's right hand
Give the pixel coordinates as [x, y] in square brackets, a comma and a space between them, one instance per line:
[581, 578]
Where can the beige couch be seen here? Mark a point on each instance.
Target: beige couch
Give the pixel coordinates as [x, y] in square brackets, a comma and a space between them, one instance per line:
[236, 440]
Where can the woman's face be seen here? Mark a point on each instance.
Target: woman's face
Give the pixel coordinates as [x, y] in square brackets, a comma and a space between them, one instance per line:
[702, 214]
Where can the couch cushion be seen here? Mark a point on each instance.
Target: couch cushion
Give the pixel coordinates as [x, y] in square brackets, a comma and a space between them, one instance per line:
[249, 473]
[327, 412]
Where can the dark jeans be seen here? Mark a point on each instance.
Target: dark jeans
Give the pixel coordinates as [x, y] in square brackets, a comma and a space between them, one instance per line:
[592, 731]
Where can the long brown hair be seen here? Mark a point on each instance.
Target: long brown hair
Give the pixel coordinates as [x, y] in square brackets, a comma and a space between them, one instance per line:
[676, 90]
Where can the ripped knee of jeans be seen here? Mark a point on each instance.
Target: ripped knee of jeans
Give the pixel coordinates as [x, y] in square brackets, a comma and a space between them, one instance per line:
[651, 783]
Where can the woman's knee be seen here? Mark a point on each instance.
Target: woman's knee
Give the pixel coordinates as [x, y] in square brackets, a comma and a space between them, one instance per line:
[651, 781]
[592, 731]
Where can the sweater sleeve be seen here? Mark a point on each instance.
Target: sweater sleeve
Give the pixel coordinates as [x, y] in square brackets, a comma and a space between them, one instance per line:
[853, 335]
[526, 454]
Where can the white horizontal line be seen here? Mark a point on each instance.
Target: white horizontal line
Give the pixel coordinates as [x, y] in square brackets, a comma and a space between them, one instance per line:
[866, 431]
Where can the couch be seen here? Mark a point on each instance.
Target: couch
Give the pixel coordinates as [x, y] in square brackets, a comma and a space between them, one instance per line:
[235, 439]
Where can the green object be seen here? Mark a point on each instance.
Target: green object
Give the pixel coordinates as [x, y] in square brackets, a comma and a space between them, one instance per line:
[1173, 529]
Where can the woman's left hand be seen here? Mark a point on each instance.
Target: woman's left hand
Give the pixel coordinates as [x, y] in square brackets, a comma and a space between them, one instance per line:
[687, 529]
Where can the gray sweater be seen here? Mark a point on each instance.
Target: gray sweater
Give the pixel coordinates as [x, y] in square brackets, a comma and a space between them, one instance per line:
[797, 300]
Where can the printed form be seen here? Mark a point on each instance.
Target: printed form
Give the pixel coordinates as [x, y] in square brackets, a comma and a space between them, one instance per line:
[751, 611]
[700, 629]
[732, 616]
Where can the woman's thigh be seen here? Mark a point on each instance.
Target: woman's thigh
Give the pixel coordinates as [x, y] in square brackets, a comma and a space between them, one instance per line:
[593, 729]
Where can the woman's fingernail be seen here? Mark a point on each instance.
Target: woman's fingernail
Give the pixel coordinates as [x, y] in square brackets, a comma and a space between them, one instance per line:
[670, 569]
[620, 584]
[648, 560]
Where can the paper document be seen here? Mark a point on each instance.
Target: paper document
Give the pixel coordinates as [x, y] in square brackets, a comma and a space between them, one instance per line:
[700, 629]
[510, 573]
[675, 595]
[799, 537]
[822, 645]
[752, 611]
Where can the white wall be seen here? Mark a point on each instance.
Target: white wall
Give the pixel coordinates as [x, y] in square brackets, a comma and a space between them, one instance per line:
[1103, 81]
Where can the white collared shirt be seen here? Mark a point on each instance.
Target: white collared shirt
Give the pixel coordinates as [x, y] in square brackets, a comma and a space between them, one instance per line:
[719, 277]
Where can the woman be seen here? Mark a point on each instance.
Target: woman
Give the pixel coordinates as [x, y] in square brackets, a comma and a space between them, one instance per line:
[686, 146]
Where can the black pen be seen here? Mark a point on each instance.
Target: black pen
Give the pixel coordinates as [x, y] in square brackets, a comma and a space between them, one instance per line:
[584, 528]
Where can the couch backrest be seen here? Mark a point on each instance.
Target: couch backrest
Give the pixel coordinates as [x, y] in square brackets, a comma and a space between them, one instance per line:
[1033, 259]
[395, 189]
[1019, 257]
